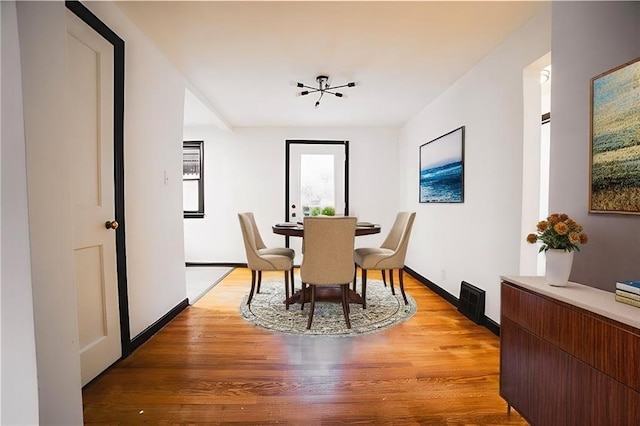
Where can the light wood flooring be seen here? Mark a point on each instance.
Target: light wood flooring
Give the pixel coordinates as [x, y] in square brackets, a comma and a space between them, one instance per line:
[210, 366]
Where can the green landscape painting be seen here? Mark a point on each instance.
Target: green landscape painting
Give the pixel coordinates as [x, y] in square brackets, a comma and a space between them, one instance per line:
[615, 140]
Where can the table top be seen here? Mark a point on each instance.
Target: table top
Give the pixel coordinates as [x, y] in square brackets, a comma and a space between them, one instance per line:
[297, 230]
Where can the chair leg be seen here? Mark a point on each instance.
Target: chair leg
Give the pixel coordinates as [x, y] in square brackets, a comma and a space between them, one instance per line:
[313, 306]
[286, 289]
[293, 289]
[401, 273]
[253, 286]
[303, 295]
[384, 278]
[355, 275]
[391, 282]
[259, 280]
[345, 304]
[364, 289]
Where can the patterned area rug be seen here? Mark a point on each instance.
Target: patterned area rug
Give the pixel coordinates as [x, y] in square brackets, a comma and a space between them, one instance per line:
[384, 310]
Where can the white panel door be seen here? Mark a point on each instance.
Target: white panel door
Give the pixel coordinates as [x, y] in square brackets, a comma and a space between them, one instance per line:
[316, 180]
[90, 119]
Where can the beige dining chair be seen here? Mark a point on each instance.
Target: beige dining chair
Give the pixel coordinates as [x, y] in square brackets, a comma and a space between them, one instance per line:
[258, 261]
[263, 249]
[388, 257]
[328, 259]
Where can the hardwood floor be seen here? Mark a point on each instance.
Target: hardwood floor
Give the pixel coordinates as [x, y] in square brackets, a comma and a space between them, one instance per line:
[211, 366]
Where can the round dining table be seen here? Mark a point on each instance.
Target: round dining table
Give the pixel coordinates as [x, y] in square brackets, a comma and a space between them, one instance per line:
[295, 229]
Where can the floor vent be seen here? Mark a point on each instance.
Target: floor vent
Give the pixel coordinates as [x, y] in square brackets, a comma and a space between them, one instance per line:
[471, 302]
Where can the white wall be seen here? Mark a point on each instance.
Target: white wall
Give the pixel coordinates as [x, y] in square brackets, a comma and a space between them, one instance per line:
[153, 135]
[19, 390]
[245, 171]
[478, 240]
[42, 37]
[589, 38]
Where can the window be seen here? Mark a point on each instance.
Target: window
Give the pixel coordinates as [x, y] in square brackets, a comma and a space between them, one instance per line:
[317, 186]
[193, 179]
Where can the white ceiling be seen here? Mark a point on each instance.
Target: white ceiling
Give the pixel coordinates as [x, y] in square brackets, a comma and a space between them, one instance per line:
[245, 57]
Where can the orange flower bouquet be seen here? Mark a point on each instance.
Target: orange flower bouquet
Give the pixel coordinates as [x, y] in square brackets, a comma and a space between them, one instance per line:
[559, 232]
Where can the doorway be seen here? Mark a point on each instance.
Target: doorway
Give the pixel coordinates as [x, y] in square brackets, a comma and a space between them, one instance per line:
[316, 181]
[535, 158]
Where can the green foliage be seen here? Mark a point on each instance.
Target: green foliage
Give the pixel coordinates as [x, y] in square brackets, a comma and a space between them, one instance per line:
[326, 211]
[329, 211]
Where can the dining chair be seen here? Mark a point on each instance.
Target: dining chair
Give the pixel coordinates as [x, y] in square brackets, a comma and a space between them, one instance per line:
[388, 257]
[258, 261]
[263, 249]
[328, 259]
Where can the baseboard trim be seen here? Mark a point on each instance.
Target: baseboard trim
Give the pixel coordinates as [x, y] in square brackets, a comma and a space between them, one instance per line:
[491, 325]
[225, 264]
[137, 341]
[433, 286]
[487, 322]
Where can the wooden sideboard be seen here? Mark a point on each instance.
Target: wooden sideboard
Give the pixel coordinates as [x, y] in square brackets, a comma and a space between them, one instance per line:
[568, 355]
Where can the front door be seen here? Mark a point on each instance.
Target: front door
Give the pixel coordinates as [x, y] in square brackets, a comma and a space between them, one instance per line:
[91, 145]
[317, 179]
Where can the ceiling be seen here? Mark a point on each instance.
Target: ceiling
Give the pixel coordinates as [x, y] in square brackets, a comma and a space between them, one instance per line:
[243, 58]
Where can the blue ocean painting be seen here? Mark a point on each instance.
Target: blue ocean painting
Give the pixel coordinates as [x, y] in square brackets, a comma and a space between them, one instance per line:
[442, 184]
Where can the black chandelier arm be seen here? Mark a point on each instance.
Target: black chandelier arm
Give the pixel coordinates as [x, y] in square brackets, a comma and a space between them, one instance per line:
[352, 84]
[309, 92]
[338, 94]
[307, 87]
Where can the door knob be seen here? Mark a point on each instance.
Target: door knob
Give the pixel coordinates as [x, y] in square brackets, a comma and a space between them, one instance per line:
[111, 225]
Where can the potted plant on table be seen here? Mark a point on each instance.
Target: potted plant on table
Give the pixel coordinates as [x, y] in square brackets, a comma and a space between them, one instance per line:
[329, 211]
[326, 211]
[560, 236]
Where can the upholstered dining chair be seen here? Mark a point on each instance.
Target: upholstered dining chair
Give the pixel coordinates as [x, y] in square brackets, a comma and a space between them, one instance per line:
[328, 259]
[388, 257]
[258, 261]
[263, 249]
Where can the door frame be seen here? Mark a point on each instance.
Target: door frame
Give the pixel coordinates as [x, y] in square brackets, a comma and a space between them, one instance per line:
[287, 184]
[118, 163]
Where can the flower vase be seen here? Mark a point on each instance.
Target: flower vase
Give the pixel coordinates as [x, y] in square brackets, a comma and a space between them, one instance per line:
[559, 264]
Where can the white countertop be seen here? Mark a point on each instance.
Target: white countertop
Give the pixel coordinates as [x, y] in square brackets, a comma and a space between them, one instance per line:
[592, 299]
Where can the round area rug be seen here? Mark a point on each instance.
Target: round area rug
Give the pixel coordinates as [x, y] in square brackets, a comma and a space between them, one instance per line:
[384, 310]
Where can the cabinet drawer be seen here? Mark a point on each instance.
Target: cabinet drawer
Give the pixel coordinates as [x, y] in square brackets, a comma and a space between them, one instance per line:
[550, 387]
[599, 342]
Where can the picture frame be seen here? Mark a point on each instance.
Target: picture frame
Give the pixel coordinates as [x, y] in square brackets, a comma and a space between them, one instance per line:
[442, 168]
[614, 166]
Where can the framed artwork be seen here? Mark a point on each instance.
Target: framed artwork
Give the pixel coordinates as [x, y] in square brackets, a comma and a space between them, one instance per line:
[615, 141]
[442, 168]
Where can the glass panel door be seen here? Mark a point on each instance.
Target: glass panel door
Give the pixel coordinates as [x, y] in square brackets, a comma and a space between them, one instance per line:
[316, 183]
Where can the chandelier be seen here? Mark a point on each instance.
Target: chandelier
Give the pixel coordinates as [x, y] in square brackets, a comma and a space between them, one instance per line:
[323, 87]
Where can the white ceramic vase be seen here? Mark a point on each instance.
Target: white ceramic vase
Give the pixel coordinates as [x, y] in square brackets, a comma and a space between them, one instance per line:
[559, 264]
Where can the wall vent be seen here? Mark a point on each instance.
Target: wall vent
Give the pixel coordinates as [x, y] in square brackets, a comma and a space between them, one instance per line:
[471, 302]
